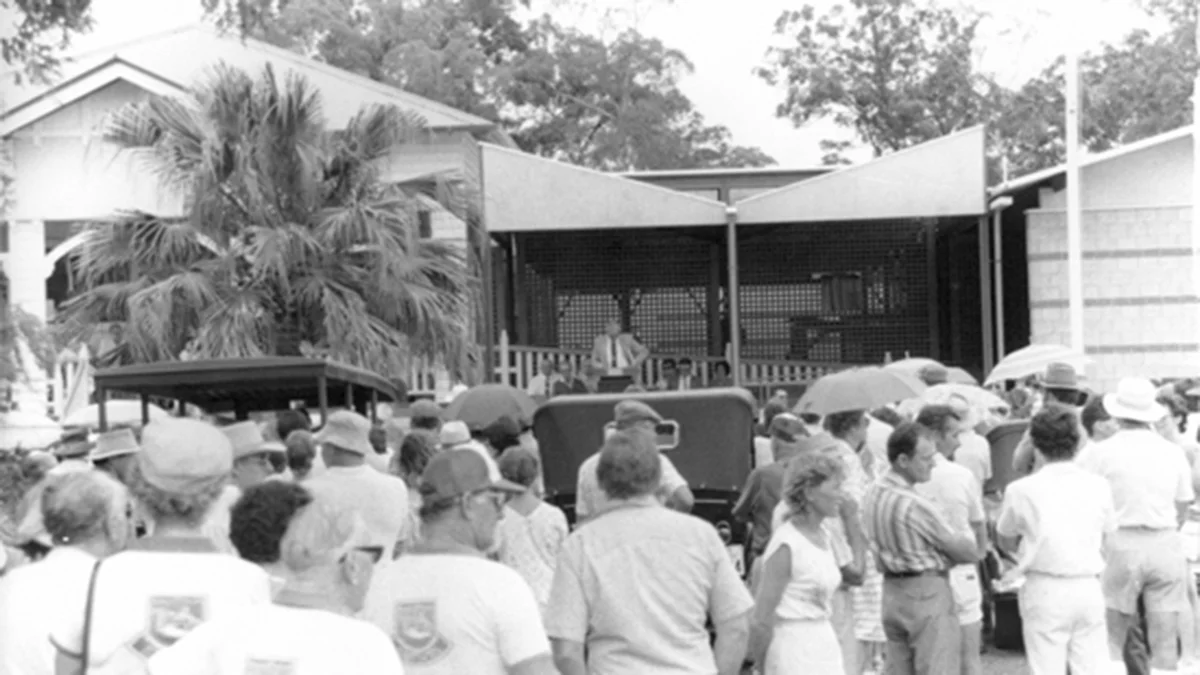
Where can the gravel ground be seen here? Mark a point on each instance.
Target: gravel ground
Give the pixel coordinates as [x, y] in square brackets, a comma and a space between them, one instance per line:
[1000, 662]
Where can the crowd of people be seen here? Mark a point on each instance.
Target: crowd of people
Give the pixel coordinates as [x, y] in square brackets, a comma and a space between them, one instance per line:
[186, 547]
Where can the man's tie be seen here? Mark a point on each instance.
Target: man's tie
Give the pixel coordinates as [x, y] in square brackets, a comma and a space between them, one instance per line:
[612, 347]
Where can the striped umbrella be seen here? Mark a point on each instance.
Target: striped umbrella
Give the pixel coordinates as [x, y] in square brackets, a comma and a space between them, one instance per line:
[1033, 359]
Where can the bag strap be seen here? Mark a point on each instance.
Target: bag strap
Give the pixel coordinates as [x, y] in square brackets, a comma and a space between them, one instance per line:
[87, 617]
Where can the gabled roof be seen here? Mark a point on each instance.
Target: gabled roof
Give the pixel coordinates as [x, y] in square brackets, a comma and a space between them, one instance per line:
[943, 177]
[1037, 177]
[526, 193]
[182, 56]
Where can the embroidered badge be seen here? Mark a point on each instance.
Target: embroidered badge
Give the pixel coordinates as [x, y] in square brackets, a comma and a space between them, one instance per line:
[416, 632]
[168, 618]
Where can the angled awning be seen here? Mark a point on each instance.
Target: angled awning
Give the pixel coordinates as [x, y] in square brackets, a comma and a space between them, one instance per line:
[526, 193]
[941, 178]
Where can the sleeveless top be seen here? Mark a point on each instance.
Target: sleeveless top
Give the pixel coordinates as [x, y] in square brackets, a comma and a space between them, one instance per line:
[814, 576]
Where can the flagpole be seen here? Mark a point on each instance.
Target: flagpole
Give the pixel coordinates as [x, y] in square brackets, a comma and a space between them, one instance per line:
[1074, 206]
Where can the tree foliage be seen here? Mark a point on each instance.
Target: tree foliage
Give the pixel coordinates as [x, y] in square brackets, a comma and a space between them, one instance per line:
[22, 337]
[290, 242]
[560, 92]
[42, 28]
[896, 72]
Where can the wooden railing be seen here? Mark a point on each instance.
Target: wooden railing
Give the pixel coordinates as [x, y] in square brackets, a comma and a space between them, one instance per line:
[517, 365]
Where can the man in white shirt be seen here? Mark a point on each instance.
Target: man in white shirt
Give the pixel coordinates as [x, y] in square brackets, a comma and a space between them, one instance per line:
[327, 561]
[1152, 490]
[954, 490]
[634, 588]
[448, 609]
[590, 500]
[541, 386]
[617, 354]
[687, 379]
[380, 499]
[1061, 516]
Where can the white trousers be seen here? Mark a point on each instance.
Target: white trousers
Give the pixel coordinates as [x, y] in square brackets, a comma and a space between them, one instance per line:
[1063, 625]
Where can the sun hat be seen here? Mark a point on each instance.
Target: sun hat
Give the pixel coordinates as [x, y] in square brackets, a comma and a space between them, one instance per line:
[454, 433]
[349, 431]
[1134, 400]
[247, 439]
[1060, 376]
[630, 411]
[454, 473]
[184, 456]
[115, 443]
[424, 409]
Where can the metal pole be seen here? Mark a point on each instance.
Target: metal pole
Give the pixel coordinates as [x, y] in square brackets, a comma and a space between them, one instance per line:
[985, 292]
[735, 322]
[323, 397]
[998, 262]
[1196, 178]
[1074, 207]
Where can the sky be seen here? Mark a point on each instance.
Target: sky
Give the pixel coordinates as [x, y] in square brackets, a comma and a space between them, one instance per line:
[726, 39]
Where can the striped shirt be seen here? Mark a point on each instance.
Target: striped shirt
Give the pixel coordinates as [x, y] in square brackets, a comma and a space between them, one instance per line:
[904, 527]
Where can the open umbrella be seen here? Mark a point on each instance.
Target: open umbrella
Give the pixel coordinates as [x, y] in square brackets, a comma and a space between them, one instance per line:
[119, 412]
[28, 431]
[480, 406]
[1034, 359]
[914, 364]
[979, 400]
[957, 375]
[858, 389]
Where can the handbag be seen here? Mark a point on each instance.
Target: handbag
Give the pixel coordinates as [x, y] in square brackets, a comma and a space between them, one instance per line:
[87, 618]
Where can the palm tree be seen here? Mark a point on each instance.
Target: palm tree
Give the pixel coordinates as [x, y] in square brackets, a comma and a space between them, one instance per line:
[291, 243]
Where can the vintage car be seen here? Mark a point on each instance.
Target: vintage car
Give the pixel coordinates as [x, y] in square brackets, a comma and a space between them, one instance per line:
[708, 435]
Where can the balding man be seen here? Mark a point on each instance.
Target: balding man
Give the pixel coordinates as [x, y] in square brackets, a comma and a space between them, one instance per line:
[634, 589]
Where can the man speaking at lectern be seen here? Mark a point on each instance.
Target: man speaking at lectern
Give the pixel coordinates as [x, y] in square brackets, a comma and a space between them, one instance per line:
[618, 356]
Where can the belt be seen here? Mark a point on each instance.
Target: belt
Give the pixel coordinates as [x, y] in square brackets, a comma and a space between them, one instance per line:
[919, 573]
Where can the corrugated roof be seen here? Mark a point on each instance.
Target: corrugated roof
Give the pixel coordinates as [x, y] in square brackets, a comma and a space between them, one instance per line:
[186, 54]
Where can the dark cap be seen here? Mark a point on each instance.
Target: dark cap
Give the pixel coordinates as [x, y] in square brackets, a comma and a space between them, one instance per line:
[424, 409]
[934, 373]
[1060, 376]
[454, 473]
[630, 411]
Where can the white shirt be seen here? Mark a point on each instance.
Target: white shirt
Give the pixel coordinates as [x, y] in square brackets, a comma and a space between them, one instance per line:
[272, 639]
[1061, 513]
[878, 433]
[1147, 474]
[456, 614]
[764, 454]
[622, 359]
[380, 499]
[29, 600]
[590, 499]
[976, 454]
[147, 600]
[542, 385]
[953, 489]
[216, 523]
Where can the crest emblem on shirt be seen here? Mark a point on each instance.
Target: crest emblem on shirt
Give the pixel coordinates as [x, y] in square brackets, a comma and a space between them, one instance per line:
[169, 618]
[416, 632]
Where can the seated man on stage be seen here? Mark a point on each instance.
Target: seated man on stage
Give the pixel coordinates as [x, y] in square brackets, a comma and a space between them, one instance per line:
[618, 356]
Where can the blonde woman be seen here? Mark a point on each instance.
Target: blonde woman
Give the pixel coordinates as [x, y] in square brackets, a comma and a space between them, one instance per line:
[792, 632]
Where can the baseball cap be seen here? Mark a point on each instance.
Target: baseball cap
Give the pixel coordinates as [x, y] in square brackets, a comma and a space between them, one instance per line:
[454, 433]
[424, 409]
[630, 411]
[349, 431]
[184, 456]
[454, 473]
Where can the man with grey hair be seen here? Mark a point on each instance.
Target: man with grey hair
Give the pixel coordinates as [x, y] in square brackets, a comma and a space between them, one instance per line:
[448, 609]
[327, 561]
[85, 514]
[601, 623]
[637, 417]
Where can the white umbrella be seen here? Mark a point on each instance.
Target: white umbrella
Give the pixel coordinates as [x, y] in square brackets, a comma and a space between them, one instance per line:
[858, 389]
[28, 431]
[980, 401]
[118, 412]
[914, 364]
[1034, 359]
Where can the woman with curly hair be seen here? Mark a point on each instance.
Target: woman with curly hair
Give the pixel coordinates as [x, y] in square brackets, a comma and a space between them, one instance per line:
[792, 632]
[164, 585]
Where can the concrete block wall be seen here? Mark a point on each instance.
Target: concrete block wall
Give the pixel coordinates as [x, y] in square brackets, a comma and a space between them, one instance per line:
[1141, 312]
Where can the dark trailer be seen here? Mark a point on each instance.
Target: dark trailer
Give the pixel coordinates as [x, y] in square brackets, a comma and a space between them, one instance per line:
[250, 385]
